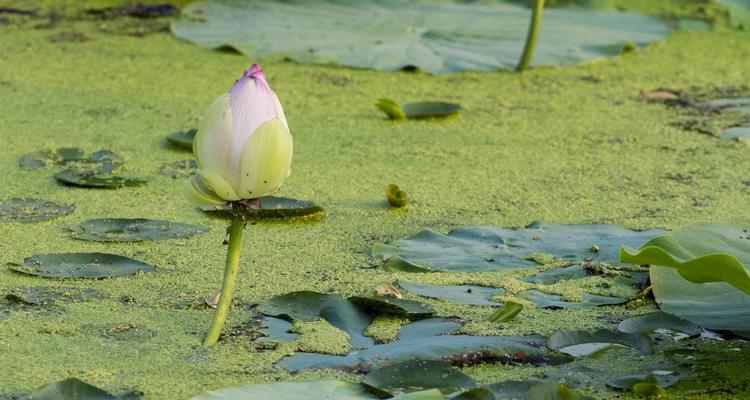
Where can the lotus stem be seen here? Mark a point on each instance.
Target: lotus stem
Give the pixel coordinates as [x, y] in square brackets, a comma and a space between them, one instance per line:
[528, 49]
[230, 279]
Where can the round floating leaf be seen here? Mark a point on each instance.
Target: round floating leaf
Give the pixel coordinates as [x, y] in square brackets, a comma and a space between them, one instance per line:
[133, 230]
[179, 169]
[383, 305]
[707, 280]
[96, 180]
[32, 210]
[393, 34]
[272, 207]
[182, 139]
[428, 327]
[75, 389]
[658, 320]
[417, 375]
[485, 248]
[546, 300]
[462, 294]
[81, 265]
[582, 343]
[293, 390]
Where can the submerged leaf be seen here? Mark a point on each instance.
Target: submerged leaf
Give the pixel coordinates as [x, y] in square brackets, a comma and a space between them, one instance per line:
[133, 230]
[382, 305]
[80, 265]
[32, 210]
[75, 389]
[90, 179]
[394, 34]
[547, 300]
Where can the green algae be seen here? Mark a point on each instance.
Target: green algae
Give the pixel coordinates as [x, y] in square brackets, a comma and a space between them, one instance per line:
[569, 145]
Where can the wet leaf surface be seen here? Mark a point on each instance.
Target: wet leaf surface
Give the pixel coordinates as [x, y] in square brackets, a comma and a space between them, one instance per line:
[550, 277]
[393, 34]
[384, 305]
[133, 230]
[32, 210]
[462, 294]
[80, 266]
[648, 323]
[584, 343]
[182, 139]
[43, 295]
[417, 375]
[89, 179]
[273, 207]
[483, 248]
[547, 300]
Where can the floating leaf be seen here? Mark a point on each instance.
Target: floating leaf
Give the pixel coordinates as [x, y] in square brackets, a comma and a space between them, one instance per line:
[32, 210]
[462, 294]
[484, 248]
[46, 158]
[179, 169]
[382, 305]
[707, 281]
[660, 378]
[133, 230]
[583, 343]
[43, 295]
[417, 110]
[96, 180]
[509, 311]
[292, 390]
[80, 265]
[75, 389]
[739, 134]
[276, 330]
[417, 375]
[394, 34]
[546, 300]
[658, 320]
[182, 139]
[396, 196]
[273, 207]
[428, 327]
[550, 277]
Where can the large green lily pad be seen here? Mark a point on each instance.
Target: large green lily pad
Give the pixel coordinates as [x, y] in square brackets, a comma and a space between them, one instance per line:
[417, 375]
[462, 294]
[394, 34]
[384, 305]
[133, 230]
[581, 343]
[32, 210]
[80, 266]
[547, 300]
[485, 248]
[658, 321]
[273, 207]
[700, 273]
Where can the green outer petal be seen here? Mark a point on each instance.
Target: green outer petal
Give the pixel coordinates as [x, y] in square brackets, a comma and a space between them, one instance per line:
[266, 159]
[218, 184]
[197, 193]
[212, 142]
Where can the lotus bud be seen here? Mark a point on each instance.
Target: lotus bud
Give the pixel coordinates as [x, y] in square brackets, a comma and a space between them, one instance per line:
[243, 145]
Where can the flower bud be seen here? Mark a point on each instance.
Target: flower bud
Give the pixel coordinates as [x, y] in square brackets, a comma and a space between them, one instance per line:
[243, 145]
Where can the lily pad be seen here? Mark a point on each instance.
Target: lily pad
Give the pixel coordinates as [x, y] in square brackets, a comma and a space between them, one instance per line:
[509, 311]
[80, 266]
[658, 320]
[485, 248]
[547, 300]
[550, 277]
[133, 230]
[417, 375]
[394, 34]
[462, 294]
[32, 210]
[272, 207]
[700, 273]
[315, 390]
[43, 295]
[75, 389]
[179, 169]
[583, 343]
[740, 134]
[96, 180]
[47, 158]
[182, 139]
[384, 305]
[660, 378]
[417, 110]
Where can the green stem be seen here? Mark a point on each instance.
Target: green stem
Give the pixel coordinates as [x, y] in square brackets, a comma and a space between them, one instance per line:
[230, 278]
[528, 49]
